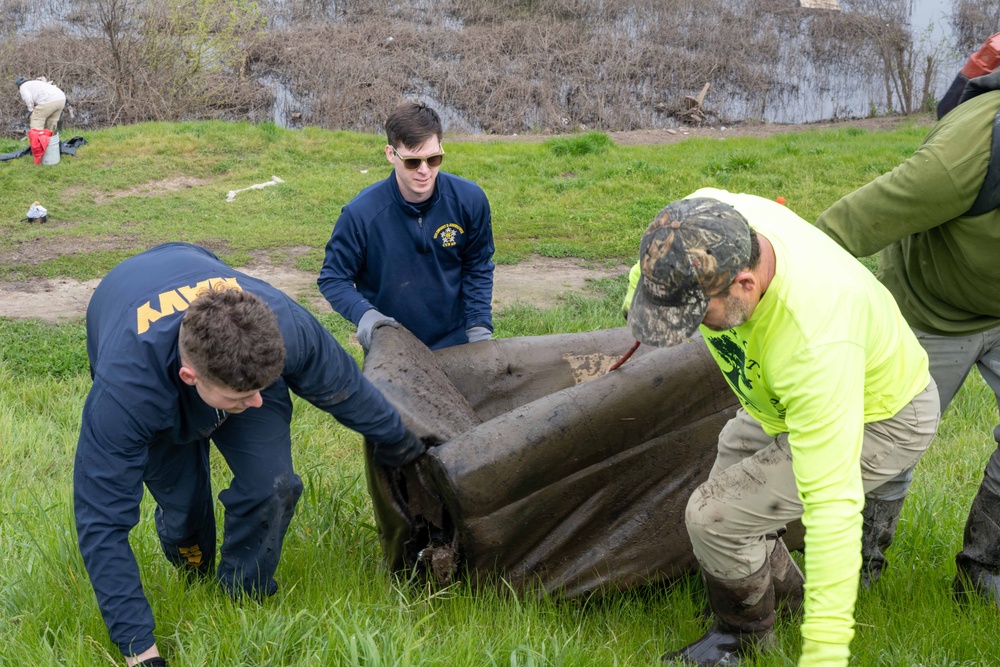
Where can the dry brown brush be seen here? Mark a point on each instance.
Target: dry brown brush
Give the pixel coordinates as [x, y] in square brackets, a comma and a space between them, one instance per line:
[496, 66]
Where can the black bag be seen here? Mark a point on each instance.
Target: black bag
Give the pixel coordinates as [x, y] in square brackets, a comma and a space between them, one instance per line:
[980, 74]
[982, 63]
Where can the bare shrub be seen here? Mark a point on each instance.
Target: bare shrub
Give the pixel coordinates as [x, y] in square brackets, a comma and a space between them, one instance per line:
[521, 78]
[547, 72]
[351, 75]
[192, 53]
[497, 66]
[138, 60]
[974, 21]
[285, 13]
[877, 32]
[501, 11]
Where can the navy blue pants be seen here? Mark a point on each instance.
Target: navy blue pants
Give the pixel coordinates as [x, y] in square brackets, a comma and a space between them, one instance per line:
[259, 502]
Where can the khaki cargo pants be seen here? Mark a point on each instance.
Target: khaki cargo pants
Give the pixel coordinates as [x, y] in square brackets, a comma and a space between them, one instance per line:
[47, 115]
[951, 360]
[751, 490]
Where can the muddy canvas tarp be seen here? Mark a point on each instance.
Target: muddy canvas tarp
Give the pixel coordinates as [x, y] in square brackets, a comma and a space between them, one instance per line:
[546, 469]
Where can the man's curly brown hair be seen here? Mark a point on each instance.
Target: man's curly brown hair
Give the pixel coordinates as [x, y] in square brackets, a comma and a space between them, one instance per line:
[231, 338]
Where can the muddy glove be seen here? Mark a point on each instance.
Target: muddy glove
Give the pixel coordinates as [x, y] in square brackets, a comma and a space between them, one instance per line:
[407, 450]
[478, 333]
[371, 321]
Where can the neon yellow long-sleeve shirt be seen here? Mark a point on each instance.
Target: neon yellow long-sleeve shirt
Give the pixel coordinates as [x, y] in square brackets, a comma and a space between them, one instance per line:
[825, 352]
[633, 282]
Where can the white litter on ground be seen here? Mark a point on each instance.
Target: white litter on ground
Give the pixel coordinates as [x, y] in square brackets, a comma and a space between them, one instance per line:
[232, 193]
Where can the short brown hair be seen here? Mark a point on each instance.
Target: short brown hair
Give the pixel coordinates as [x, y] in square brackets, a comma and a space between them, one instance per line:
[231, 338]
[754, 250]
[411, 124]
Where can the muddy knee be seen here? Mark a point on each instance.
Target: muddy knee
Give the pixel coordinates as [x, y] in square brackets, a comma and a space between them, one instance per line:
[252, 545]
[288, 489]
[276, 511]
[703, 514]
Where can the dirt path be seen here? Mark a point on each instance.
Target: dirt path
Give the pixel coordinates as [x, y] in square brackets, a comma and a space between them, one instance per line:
[539, 281]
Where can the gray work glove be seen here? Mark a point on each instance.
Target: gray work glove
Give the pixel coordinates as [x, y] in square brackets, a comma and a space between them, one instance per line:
[407, 450]
[371, 321]
[478, 333]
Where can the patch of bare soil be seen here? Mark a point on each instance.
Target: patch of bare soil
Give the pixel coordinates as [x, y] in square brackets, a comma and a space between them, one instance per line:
[47, 300]
[543, 281]
[538, 281]
[38, 249]
[150, 189]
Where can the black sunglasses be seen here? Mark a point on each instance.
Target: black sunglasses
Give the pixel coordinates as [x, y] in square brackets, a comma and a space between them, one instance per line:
[412, 163]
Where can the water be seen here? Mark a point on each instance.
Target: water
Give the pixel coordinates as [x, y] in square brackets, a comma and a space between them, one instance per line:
[286, 107]
[35, 16]
[824, 91]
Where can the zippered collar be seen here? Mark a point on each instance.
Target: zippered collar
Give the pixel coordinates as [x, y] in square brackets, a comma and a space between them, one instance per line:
[410, 208]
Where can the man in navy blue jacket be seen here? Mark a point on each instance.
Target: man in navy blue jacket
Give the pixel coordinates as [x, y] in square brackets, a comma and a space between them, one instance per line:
[183, 348]
[416, 248]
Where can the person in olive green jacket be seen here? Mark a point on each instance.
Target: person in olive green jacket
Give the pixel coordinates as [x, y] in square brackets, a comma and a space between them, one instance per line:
[943, 267]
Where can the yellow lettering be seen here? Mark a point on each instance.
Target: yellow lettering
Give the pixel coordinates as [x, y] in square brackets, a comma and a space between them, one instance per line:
[192, 554]
[171, 302]
[225, 283]
[192, 293]
[145, 316]
[177, 300]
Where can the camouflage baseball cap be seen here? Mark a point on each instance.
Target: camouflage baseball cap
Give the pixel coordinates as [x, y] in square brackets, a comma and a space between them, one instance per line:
[691, 252]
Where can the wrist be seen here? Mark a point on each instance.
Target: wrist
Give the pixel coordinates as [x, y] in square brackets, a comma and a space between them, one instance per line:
[400, 453]
[478, 333]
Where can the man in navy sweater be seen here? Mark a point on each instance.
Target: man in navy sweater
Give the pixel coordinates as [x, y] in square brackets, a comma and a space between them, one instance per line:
[415, 248]
[184, 349]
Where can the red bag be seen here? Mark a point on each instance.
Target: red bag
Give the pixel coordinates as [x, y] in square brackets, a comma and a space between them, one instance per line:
[39, 140]
[985, 60]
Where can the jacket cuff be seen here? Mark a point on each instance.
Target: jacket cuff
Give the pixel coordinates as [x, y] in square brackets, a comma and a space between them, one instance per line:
[822, 654]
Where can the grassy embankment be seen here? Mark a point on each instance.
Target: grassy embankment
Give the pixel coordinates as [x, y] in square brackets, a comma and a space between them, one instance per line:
[577, 197]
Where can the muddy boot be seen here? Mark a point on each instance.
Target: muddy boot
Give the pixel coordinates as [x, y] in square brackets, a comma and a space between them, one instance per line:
[787, 579]
[744, 621]
[979, 561]
[880, 519]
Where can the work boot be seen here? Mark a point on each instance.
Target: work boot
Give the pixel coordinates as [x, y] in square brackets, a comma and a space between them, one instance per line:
[787, 579]
[744, 621]
[978, 563]
[880, 519]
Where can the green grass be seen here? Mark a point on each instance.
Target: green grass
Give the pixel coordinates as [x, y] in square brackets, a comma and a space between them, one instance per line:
[135, 186]
[132, 187]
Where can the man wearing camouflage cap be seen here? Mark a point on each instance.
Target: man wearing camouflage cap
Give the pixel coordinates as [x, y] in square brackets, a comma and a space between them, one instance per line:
[835, 399]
